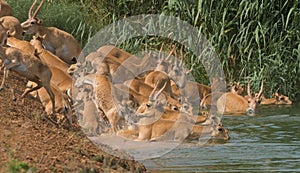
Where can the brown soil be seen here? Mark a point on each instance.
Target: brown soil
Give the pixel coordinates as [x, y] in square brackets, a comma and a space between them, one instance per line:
[28, 137]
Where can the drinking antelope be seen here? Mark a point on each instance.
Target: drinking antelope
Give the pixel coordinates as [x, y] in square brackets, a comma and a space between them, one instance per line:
[233, 103]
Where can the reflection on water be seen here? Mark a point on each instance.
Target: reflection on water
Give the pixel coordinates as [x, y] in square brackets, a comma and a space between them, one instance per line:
[269, 141]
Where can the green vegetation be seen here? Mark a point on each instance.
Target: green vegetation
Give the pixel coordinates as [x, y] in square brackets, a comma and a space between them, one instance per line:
[19, 167]
[254, 39]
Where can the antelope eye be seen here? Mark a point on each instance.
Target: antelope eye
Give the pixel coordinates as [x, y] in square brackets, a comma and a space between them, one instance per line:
[32, 23]
[148, 105]
[258, 101]
[248, 101]
[281, 98]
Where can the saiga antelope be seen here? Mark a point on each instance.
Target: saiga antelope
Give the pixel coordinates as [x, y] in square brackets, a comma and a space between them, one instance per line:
[13, 25]
[62, 105]
[152, 125]
[23, 45]
[277, 100]
[104, 100]
[120, 70]
[210, 100]
[118, 53]
[236, 88]
[175, 72]
[157, 107]
[59, 42]
[89, 111]
[145, 90]
[26, 65]
[62, 79]
[194, 91]
[230, 103]
[46, 56]
[5, 9]
[29, 66]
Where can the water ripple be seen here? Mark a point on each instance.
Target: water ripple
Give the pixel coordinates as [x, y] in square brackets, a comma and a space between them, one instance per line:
[268, 142]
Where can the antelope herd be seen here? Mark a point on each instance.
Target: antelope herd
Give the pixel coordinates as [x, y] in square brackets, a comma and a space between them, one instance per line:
[144, 98]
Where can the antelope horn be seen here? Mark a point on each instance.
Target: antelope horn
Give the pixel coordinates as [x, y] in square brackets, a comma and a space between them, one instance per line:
[31, 8]
[152, 95]
[249, 91]
[168, 57]
[181, 51]
[189, 71]
[175, 53]
[181, 62]
[38, 9]
[159, 92]
[261, 89]
[160, 51]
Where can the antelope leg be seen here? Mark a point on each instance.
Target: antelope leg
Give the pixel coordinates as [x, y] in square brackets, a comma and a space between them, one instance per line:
[5, 74]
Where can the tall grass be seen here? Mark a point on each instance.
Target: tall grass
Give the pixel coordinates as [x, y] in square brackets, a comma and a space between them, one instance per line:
[254, 39]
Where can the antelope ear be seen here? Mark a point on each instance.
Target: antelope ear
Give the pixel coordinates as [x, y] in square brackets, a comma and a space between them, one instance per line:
[10, 34]
[43, 36]
[276, 96]
[38, 21]
[189, 71]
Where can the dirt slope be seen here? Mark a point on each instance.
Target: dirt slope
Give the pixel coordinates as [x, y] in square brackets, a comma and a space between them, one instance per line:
[26, 136]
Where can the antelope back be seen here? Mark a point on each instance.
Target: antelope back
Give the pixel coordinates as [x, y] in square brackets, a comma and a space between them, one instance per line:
[231, 103]
[21, 44]
[118, 53]
[5, 9]
[13, 25]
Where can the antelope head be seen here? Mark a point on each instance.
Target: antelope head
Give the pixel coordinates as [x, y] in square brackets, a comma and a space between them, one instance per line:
[178, 73]
[31, 25]
[153, 109]
[254, 101]
[164, 63]
[237, 88]
[282, 100]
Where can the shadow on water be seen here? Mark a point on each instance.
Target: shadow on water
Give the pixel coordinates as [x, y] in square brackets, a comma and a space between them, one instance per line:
[268, 141]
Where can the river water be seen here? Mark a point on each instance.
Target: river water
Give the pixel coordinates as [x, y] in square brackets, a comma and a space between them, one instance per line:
[266, 142]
